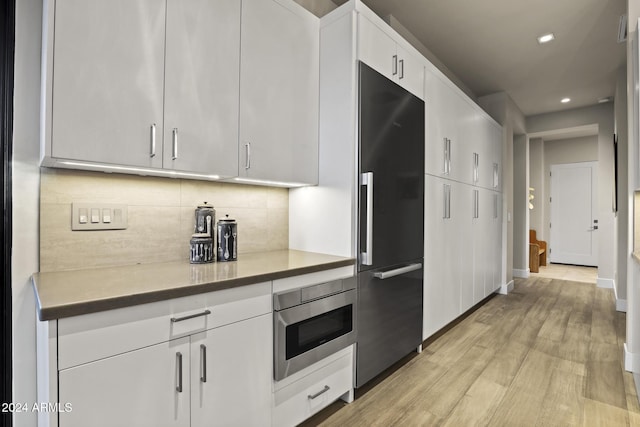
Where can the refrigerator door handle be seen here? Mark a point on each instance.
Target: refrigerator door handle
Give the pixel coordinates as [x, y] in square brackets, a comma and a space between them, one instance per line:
[398, 271]
[366, 257]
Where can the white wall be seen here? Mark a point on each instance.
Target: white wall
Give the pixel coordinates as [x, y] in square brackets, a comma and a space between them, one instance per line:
[621, 129]
[520, 206]
[536, 181]
[26, 182]
[632, 346]
[602, 116]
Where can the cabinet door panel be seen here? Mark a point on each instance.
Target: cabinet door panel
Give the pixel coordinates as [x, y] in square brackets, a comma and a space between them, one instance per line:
[108, 80]
[202, 86]
[376, 49]
[440, 110]
[237, 391]
[441, 273]
[410, 72]
[134, 389]
[279, 92]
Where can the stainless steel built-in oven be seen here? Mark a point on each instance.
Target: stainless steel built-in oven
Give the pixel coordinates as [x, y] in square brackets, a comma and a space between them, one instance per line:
[312, 323]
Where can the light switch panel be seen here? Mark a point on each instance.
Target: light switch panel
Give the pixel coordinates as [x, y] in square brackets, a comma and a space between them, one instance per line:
[98, 216]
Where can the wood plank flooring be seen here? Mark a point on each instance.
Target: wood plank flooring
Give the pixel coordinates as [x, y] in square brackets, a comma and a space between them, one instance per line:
[548, 354]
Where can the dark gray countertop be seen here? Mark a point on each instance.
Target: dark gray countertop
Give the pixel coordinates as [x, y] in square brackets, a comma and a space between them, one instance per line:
[71, 293]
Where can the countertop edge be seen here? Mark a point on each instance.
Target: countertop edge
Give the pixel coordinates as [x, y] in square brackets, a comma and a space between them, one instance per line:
[88, 307]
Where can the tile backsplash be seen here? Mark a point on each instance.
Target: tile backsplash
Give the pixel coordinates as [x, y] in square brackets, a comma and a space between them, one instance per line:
[161, 218]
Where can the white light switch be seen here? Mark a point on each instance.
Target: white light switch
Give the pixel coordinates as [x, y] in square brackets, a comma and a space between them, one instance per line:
[98, 216]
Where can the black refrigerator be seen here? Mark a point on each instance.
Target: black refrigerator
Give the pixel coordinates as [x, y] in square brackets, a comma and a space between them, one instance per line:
[391, 223]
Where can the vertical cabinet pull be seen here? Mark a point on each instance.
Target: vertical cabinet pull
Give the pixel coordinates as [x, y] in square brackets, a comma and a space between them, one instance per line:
[366, 257]
[179, 369]
[447, 156]
[476, 167]
[476, 204]
[394, 65]
[496, 177]
[174, 139]
[495, 206]
[247, 153]
[152, 151]
[203, 363]
[447, 201]
[401, 69]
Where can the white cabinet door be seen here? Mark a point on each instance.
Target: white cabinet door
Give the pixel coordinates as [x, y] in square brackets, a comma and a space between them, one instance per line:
[494, 245]
[377, 49]
[279, 92]
[202, 86]
[383, 54]
[441, 131]
[236, 390]
[465, 236]
[139, 388]
[108, 81]
[410, 72]
[441, 294]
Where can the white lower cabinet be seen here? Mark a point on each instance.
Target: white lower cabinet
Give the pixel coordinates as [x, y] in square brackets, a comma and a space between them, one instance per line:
[463, 256]
[203, 360]
[305, 393]
[138, 388]
[231, 374]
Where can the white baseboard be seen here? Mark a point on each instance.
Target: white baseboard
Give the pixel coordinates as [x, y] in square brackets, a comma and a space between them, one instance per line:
[631, 361]
[605, 283]
[621, 305]
[505, 289]
[522, 274]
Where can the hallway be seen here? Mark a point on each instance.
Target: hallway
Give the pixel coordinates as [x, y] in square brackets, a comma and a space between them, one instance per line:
[549, 353]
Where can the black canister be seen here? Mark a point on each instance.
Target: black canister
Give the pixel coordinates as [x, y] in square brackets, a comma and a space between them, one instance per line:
[205, 219]
[201, 249]
[227, 239]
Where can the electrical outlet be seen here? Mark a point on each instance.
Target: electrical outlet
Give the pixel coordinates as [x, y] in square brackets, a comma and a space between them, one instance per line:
[98, 216]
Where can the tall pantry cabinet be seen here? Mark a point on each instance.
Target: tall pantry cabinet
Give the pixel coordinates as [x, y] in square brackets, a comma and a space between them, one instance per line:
[463, 203]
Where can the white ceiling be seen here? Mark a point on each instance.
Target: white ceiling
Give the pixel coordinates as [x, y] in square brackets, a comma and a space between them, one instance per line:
[491, 46]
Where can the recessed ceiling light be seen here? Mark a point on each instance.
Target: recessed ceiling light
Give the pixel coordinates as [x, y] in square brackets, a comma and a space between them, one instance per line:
[565, 100]
[546, 38]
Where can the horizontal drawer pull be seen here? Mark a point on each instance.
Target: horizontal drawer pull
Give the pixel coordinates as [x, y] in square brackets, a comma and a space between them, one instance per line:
[180, 319]
[324, 390]
[398, 271]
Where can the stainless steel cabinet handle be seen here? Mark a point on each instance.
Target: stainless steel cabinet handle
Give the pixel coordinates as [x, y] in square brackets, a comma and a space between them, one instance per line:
[324, 390]
[203, 363]
[247, 152]
[395, 65]
[153, 141]
[398, 271]
[180, 319]
[476, 204]
[446, 156]
[447, 201]
[366, 257]
[174, 154]
[496, 177]
[401, 69]
[476, 162]
[495, 206]
[179, 366]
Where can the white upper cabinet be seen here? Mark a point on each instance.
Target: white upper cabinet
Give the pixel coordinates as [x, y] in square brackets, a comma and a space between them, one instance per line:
[386, 56]
[106, 92]
[279, 92]
[201, 86]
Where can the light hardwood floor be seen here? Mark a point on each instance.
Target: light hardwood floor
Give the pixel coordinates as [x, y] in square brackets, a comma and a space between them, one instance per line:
[547, 354]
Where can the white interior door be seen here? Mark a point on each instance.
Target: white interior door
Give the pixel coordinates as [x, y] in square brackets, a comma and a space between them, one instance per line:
[574, 235]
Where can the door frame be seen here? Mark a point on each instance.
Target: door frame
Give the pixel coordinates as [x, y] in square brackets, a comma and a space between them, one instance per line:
[7, 61]
[594, 207]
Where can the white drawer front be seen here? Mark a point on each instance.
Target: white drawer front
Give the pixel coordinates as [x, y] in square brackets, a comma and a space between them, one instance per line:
[303, 398]
[90, 337]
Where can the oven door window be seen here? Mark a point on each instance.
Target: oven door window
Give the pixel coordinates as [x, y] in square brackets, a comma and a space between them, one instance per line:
[315, 331]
